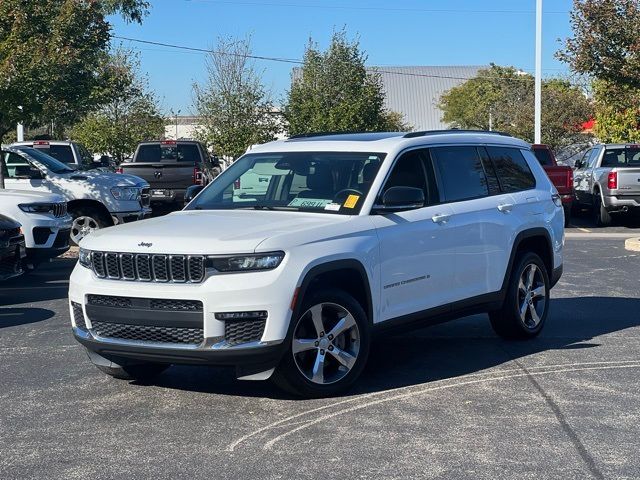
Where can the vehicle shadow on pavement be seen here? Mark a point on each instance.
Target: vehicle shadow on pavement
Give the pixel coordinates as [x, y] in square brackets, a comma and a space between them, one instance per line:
[445, 351]
[12, 317]
[48, 282]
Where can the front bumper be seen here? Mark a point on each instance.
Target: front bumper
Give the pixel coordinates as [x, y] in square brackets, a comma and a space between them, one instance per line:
[128, 217]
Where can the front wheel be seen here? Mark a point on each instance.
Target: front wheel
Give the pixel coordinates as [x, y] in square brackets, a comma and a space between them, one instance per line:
[85, 221]
[526, 304]
[328, 347]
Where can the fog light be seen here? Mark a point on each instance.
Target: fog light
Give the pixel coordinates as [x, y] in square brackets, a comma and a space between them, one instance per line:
[256, 315]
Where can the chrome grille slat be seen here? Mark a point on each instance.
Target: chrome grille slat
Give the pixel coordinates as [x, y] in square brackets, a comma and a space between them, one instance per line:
[148, 267]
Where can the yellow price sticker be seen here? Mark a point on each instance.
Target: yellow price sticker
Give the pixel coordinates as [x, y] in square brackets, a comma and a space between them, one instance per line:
[351, 201]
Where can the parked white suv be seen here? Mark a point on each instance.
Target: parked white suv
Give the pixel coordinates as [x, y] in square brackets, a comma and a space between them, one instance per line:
[95, 199]
[354, 233]
[45, 222]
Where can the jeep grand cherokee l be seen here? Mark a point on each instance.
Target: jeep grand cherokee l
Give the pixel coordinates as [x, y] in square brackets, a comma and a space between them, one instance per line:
[354, 233]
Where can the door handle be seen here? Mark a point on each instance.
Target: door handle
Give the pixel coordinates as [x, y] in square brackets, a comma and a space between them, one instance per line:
[441, 218]
[505, 207]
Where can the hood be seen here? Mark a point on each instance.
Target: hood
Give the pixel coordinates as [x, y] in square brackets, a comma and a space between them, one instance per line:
[210, 232]
[30, 196]
[106, 178]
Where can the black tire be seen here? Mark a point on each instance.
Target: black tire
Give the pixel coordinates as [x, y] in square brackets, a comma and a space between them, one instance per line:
[140, 372]
[601, 217]
[567, 216]
[508, 322]
[100, 218]
[289, 376]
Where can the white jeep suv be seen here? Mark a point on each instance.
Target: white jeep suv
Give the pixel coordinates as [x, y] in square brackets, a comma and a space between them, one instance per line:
[354, 233]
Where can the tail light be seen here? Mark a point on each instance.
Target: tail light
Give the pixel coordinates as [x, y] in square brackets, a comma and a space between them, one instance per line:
[119, 170]
[236, 184]
[612, 181]
[570, 179]
[197, 176]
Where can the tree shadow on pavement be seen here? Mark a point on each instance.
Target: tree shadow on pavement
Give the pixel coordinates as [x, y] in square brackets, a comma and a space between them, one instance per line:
[449, 350]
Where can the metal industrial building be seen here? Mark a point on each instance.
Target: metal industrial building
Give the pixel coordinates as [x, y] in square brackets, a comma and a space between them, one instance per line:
[415, 91]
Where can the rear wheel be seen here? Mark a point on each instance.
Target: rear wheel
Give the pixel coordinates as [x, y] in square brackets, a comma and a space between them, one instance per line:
[328, 347]
[86, 219]
[526, 305]
[142, 372]
[601, 217]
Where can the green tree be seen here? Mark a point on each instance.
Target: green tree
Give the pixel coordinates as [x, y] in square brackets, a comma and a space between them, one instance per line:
[506, 96]
[617, 112]
[605, 42]
[51, 53]
[236, 110]
[334, 92]
[129, 112]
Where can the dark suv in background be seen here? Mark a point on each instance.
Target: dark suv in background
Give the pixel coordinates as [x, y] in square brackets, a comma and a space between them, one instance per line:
[170, 167]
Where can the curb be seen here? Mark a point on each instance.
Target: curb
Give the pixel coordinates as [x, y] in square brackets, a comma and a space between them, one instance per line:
[632, 244]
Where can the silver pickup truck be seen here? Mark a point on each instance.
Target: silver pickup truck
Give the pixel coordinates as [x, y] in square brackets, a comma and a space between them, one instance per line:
[607, 179]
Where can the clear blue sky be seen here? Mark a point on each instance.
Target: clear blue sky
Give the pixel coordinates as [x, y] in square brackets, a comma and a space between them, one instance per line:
[402, 32]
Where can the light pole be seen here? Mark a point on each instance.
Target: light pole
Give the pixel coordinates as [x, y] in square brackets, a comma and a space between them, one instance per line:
[20, 127]
[538, 81]
[177, 113]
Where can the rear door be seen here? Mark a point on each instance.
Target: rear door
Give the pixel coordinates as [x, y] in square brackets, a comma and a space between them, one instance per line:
[480, 229]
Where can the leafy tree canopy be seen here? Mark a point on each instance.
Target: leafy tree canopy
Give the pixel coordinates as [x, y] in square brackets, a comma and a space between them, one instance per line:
[51, 53]
[506, 96]
[235, 108]
[128, 114]
[334, 92]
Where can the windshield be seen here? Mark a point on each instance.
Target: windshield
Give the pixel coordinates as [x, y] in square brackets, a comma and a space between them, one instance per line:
[628, 156]
[46, 160]
[329, 182]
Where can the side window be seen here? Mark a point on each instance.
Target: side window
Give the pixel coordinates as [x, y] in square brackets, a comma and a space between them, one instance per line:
[13, 160]
[85, 157]
[584, 160]
[461, 174]
[490, 172]
[512, 169]
[413, 169]
[595, 153]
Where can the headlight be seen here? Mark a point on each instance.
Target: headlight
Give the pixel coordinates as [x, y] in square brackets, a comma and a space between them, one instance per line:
[84, 257]
[125, 193]
[244, 263]
[36, 207]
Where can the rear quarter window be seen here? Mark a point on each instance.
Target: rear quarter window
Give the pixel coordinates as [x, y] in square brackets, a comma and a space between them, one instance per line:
[511, 168]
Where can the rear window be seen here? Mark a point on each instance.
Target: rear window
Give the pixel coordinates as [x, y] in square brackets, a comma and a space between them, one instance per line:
[544, 157]
[62, 153]
[461, 174]
[182, 152]
[622, 157]
[513, 172]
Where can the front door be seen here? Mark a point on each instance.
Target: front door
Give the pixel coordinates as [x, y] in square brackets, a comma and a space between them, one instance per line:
[416, 249]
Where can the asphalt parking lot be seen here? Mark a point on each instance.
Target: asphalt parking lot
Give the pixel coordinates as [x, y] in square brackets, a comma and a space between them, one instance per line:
[451, 401]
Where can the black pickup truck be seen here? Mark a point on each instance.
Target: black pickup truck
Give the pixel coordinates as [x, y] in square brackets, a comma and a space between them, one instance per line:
[170, 167]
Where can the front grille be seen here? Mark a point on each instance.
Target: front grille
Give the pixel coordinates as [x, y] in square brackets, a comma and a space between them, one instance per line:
[109, 301]
[164, 304]
[189, 336]
[147, 268]
[243, 331]
[78, 315]
[62, 239]
[59, 209]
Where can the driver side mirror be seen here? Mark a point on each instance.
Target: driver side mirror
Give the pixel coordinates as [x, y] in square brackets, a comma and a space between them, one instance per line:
[191, 192]
[397, 199]
[27, 172]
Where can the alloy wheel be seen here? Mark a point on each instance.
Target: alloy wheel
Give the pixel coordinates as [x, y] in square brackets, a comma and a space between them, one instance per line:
[326, 343]
[532, 296]
[81, 227]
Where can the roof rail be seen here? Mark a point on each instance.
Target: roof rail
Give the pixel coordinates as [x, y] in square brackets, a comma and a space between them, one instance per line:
[324, 134]
[453, 130]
